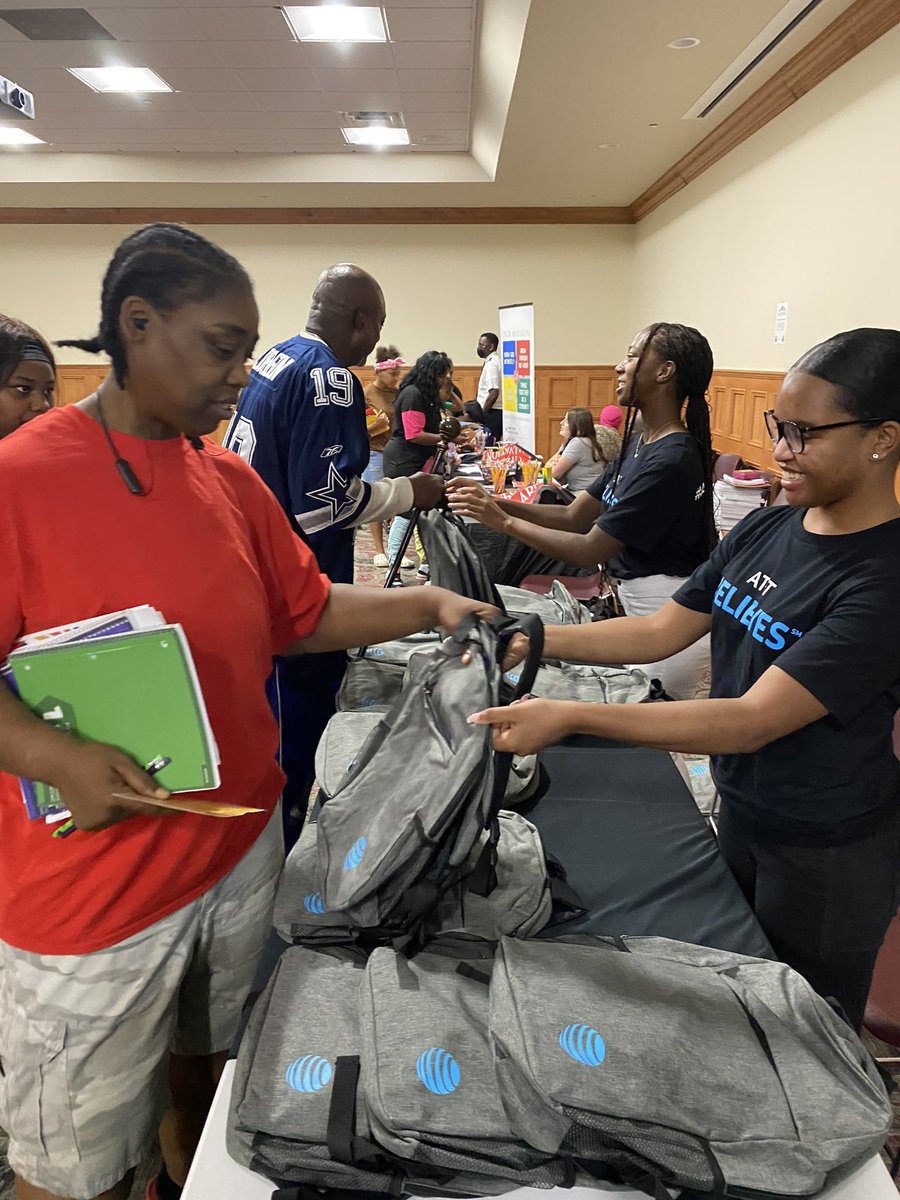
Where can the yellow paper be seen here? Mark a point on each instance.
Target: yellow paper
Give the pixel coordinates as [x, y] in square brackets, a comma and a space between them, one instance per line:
[207, 808]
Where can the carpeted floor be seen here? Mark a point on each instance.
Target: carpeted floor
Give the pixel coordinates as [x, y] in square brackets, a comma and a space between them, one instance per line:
[368, 575]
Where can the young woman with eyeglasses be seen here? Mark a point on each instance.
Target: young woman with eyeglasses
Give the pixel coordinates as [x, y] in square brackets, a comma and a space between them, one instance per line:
[803, 603]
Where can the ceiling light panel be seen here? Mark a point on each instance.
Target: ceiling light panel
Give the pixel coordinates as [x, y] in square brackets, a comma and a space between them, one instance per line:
[336, 23]
[376, 135]
[13, 135]
[120, 79]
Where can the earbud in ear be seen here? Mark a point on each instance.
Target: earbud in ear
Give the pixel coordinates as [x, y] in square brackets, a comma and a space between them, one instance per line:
[140, 323]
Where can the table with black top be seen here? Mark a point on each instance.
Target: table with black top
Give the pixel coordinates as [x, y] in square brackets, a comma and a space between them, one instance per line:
[643, 861]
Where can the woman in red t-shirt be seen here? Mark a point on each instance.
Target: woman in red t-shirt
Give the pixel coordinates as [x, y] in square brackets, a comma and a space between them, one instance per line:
[139, 933]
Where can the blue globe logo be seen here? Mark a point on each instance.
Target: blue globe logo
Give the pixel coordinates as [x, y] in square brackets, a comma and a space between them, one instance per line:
[354, 854]
[583, 1044]
[438, 1070]
[314, 903]
[308, 1074]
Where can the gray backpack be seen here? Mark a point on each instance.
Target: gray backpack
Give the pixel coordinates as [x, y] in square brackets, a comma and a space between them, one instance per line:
[454, 562]
[679, 1065]
[427, 1073]
[398, 832]
[520, 903]
[281, 1103]
[346, 733]
[557, 607]
[370, 685]
[586, 682]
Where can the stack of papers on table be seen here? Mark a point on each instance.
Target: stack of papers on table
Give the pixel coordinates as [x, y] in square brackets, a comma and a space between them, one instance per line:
[731, 503]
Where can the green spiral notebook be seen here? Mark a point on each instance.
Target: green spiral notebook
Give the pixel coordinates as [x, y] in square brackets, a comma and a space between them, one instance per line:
[138, 691]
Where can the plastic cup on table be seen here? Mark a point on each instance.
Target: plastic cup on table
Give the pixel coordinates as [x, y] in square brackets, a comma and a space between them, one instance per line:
[498, 477]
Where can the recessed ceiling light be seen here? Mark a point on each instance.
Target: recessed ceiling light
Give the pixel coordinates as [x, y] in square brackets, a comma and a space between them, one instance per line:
[684, 43]
[608, 146]
[376, 135]
[13, 135]
[120, 79]
[336, 23]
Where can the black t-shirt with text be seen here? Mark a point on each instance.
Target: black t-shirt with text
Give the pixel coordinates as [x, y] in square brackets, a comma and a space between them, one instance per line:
[655, 508]
[825, 610]
[401, 457]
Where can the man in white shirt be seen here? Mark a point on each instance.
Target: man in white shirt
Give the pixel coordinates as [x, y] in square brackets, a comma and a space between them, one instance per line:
[489, 384]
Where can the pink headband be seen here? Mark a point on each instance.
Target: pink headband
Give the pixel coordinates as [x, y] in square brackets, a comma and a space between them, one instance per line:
[388, 364]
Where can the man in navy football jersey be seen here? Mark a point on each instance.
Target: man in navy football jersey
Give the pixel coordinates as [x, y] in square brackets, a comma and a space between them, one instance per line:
[301, 425]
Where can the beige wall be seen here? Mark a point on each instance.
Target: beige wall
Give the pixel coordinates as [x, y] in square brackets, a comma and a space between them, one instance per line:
[442, 284]
[807, 211]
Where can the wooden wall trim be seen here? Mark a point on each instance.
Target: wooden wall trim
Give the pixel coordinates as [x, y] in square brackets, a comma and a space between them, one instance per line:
[855, 29]
[319, 216]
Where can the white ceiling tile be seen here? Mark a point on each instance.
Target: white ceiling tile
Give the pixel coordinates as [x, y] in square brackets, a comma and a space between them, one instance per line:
[431, 25]
[259, 54]
[421, 55]
[311, 102]
[203, 79]
[153, 25]
[205, 102]
[258, 79]
[355, 101]
[44, 81]
[243, 24]
[348, 56]
[11, 37]
[390, 5]
[357, 81]
[288, 120]
[434, 81]
[420, 123]
[434, 102]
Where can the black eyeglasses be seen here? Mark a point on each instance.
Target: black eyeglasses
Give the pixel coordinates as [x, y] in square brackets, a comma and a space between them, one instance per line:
[795, 435]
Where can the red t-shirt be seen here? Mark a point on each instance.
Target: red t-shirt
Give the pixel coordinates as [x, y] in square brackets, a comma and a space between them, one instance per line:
[210, 548]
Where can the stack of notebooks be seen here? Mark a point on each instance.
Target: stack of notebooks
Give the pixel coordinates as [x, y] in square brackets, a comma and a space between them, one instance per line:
[736, 495]
[127, 679]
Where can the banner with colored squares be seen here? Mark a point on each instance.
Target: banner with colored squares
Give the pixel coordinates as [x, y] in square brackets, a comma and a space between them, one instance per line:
[517, 359]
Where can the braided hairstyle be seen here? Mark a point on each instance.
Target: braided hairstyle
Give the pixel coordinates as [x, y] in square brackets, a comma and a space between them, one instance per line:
[166, 265]
[692, 356]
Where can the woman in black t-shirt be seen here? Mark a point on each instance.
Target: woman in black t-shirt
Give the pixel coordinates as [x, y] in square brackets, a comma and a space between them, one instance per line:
[415, 428]
[649, 518]
[803, 603]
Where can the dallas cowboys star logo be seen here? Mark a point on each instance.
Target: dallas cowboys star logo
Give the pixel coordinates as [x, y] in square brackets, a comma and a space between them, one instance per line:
[335, 493]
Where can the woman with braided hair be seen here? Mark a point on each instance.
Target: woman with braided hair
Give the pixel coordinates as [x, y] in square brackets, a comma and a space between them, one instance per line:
[127, 950]
[802, 602]
[649, 518]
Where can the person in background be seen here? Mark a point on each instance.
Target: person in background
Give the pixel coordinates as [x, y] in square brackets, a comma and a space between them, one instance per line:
[580, 459]
[301, 424]
[27, 375]
[380, 396]
[415, 431]
[127, 950]
[802, 601]
[487, 407]
[649, 519]
[607, 431]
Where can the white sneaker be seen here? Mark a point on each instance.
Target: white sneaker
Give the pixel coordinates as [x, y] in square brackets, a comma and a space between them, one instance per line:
[407, 564]
[380, 560]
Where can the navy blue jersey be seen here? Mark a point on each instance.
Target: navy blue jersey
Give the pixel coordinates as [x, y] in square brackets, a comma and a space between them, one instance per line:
[301, 424]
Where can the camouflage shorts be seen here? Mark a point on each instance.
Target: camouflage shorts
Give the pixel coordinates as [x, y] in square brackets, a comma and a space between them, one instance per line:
[84, 1039]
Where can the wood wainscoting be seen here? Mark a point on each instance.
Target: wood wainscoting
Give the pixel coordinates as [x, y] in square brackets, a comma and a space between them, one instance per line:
[737, 401]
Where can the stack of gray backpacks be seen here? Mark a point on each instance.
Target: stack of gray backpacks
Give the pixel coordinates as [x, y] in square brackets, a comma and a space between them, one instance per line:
[480, 1066]
[412, 835]
[425, 1033]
